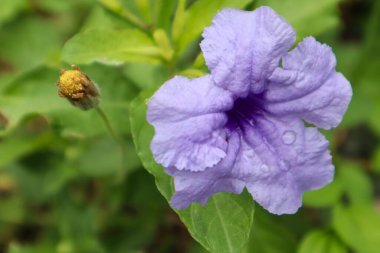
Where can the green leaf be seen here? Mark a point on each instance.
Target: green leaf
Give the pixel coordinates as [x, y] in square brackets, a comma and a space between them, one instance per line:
[15, 147]
[164, 13]
[41, 181]
[307, 17]
[359, 227]
[368, 87]
[164, 44]
[327, 196]
[78, 226]
[356, 184]
[145, 9]
[179, 20]
[376, 160]
[100, 18]
[128, 10]
[321, 242]
[12, 210]
[94, 161]
[28, 43]
[224, 223]
[146, 76]
[9, 8]
[199, 15]
[270, 236]
[40, 248]
[110, 47]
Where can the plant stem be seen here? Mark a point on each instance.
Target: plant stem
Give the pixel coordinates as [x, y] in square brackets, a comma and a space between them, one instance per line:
[107, 123]
[134, 20]
[117, 139]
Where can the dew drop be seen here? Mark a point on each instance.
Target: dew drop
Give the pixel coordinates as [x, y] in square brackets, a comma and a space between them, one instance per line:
[300, 83]
[288, 137]
[264, 168]
[250, 154]
[284, 165]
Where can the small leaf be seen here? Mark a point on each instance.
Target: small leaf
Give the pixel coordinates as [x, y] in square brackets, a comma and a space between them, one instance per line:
[164, 13]
[352, 175]
[145, 9]
[102, 156]
[39, 248]
[100, 18]
[192, 73]
[145, 75]
[163, 43]
[16, 147]
[110, 47]
[321, 242]
[376, 160]
[307, 17]
[12, 210]
[9, 8]
[358, 226]
[223, 225]
[179, 20]
[21, 44]
[199, 15]
[327, 196]
[270, 236]
[128, 10]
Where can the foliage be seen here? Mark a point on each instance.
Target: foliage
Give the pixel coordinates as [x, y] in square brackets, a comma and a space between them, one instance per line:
[65, 185]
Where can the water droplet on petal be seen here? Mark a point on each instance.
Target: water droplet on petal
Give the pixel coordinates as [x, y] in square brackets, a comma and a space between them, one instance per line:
[288, 137]
[264, 168]
[299, 82]
[250, 154]
[284, 165]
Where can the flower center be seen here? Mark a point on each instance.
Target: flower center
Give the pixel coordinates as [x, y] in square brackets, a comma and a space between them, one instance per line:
[244, 112]
[71, 84]
[77, 87]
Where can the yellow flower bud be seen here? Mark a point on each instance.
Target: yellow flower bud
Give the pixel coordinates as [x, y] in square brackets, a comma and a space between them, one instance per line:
[78, 88]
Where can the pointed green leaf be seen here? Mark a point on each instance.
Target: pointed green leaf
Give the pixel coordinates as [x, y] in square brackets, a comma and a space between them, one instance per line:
[110, 47]
[9, 8]
[327, 196]
[164, 13]
[270, 236]
[307, 17]
[321, 242]
[358, 226]
[200, 14]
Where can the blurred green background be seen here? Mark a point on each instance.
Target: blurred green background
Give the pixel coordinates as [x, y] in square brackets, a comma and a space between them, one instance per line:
[63, 186]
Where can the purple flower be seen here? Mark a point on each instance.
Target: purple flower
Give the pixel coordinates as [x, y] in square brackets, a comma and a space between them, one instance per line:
[243, 124]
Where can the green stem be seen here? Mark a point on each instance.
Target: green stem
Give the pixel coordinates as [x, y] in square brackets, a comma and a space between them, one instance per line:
[117, 139]
[134, 20]
[117, 8]
[107, 123]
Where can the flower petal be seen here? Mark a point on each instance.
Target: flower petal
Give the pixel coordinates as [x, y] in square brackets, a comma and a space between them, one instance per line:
[243, 48]
[309, 87]
[289, 159]
[200, 186]
[188, 118]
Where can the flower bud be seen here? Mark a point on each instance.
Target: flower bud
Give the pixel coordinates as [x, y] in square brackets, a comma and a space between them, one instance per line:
[78, 88]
